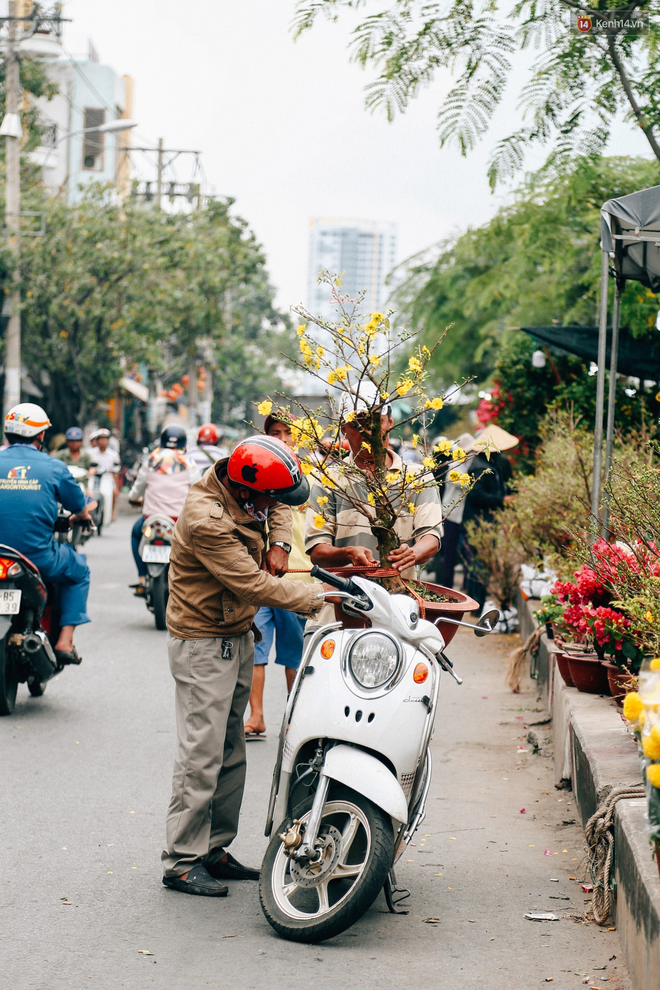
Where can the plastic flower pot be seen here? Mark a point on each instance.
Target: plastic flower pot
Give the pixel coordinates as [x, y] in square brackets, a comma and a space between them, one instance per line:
[620, 682]
[564, 670]
[589, 674]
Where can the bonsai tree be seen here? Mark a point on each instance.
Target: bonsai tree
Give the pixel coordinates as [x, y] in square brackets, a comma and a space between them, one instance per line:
[366, 364]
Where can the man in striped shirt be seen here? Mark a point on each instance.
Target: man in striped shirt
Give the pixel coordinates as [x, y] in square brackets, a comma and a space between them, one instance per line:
[346, 538]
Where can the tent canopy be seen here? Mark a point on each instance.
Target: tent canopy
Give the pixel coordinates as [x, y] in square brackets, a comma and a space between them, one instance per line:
[630, 229]
[636, 358]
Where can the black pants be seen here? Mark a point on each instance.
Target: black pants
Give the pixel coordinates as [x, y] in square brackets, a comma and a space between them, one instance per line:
[450, 542]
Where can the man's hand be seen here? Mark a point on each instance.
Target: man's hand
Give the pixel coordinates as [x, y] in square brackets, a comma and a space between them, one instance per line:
[84, 516]
[359, 556]
[135, 501]
[403, 557]
[277, 561]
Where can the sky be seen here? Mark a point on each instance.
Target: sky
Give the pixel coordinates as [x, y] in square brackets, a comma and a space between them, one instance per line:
[282, 126]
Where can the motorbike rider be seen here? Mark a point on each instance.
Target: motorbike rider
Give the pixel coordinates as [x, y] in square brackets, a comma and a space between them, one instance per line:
[162, 485]
[207, 451]
[31, 486]
[73, 454]
[220, 573]
[107, 460]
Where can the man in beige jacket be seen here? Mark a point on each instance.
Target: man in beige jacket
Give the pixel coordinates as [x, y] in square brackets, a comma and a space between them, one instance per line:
[220, 573]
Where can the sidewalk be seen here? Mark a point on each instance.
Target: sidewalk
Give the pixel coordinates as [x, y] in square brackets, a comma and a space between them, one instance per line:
[594, 753]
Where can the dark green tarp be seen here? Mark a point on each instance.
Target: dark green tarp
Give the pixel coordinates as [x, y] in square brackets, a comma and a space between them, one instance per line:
[638, 358]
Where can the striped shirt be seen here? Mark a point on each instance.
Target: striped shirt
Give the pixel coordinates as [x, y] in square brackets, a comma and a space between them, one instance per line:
[345, 526]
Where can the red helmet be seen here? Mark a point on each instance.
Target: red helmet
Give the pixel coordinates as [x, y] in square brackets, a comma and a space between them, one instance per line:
[208, 433]
[267, 465]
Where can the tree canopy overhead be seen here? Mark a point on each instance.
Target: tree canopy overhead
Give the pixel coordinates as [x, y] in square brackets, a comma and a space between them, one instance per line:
[575, 88]
[536, 262]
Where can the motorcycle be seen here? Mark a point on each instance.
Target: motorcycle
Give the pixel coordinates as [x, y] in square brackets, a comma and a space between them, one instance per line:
[353, 769]
[29, 625]
[155, 548]
[79, 533]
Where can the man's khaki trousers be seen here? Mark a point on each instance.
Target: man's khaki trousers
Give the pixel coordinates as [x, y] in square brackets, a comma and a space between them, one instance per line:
[213, 680]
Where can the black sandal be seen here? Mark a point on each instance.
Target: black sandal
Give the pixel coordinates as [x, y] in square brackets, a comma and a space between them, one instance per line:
[64, 657]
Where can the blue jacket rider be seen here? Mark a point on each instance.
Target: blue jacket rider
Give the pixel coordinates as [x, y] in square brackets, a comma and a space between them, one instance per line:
[31, 485]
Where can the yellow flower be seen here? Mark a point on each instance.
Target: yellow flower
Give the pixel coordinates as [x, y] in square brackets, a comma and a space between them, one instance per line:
[377, 317]
[384, 396]
[651, 748]
[339, 374]
[426, 354]
[455, 477]
[264, 408]
[404, 386]
[653, 775]
[415, 439]
[375, 360]
[443, 447]
[322, 500]
[301, 329]
[350, 416]
[371, 498]
[319, 521]
[436, 403]
[459, 454]
[366, 446]
[414, 365]
[648, 616]
[391, 477]
[464, 480]
[428, 462]
[632, 706]
[320, 351]
[307, 467]
[655, 664]
[411, 508]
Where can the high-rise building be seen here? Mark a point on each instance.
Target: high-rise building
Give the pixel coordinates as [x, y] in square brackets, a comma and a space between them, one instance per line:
[363, 250]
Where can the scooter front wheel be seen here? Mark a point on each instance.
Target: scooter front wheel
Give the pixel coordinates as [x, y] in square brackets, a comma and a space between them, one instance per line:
[314, 902]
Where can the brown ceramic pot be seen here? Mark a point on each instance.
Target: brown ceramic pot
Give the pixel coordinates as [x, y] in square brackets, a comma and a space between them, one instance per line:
[620, 682]
[564, 670]
[589, 674]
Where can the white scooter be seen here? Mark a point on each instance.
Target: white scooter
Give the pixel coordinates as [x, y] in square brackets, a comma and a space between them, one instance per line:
[353, 769]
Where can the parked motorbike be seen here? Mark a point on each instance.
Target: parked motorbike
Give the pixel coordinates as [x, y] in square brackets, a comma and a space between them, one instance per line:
[29, 625]
[155, 549]
[353, 769]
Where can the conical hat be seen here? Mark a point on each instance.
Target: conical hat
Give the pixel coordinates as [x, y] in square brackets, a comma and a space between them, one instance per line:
[495, 438]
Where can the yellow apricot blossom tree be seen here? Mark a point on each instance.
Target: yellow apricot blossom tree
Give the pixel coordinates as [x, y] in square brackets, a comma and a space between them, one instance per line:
[359, 361]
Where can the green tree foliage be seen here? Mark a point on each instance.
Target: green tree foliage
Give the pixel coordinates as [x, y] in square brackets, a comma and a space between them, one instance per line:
[536, 261]
[112, 284]
[577, 85]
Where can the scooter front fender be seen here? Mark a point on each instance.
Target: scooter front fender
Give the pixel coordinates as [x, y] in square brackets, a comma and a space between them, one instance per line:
[367, 775]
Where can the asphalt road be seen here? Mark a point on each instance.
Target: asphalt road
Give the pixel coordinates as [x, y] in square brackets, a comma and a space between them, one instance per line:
[85, 786]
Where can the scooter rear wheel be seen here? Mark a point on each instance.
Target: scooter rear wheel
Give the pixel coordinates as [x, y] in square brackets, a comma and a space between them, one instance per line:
[314, 903]
[159, 596]
[8, 679]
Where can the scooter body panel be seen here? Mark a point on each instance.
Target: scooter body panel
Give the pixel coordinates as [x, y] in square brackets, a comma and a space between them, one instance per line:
[367, 775]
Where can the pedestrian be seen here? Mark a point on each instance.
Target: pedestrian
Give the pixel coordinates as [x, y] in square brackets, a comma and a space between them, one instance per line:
[453, 508]
[488, 469]
[346, 536]
[280, 624]
[220, 573]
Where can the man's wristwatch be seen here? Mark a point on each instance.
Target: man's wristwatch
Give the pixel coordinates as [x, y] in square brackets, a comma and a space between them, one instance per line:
[285, 546]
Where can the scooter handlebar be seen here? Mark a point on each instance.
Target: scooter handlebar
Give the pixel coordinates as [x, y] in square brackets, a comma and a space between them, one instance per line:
[341, 583]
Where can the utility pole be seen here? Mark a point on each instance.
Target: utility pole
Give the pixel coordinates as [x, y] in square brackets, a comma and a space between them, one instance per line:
[159, 180]
[13, 133]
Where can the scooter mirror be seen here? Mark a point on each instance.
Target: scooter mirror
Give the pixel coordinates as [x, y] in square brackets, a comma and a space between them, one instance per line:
[487, 622]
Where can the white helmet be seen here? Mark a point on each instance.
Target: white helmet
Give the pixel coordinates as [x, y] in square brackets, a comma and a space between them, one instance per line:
[27, 419]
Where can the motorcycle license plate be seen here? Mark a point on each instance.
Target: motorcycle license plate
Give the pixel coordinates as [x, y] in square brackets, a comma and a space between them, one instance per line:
[156, 555]
[10, 602]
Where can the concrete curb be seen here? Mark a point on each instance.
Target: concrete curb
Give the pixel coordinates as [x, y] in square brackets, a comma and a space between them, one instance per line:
[593, 750]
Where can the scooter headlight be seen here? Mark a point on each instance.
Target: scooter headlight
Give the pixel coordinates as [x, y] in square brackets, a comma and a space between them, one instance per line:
[373, 659]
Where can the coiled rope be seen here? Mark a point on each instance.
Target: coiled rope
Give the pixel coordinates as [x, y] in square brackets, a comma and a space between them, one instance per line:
[599, 832]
